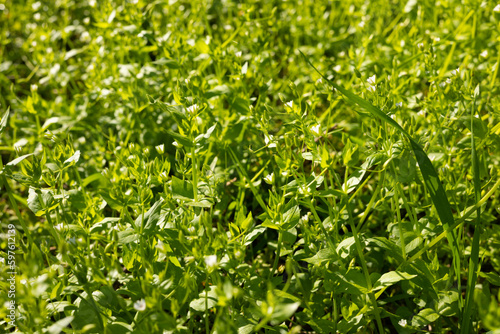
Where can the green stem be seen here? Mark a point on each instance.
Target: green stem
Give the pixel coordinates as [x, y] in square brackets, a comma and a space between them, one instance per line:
[278, 252]
[474, 256]
[195, 174]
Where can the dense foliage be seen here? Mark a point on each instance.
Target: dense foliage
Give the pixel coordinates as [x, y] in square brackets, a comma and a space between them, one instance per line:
[255, 166]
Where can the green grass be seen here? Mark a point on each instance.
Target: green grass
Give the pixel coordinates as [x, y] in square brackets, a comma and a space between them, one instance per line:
[250, 167]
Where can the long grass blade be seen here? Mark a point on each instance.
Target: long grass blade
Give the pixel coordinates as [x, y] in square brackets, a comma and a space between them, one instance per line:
[474, 256]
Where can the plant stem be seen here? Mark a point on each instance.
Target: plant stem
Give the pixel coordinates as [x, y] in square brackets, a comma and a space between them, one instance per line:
[278, 251]
[195, 174]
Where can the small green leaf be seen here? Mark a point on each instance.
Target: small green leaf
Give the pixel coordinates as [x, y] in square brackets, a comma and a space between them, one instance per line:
[40, 201]
[60, 325]
[151, 217]
[73, 159]
[424, 317]
[183, 140]
[492, 277]
[19, 159]
[391, 278]
[182, 189]
[283, 311]
[199, 303]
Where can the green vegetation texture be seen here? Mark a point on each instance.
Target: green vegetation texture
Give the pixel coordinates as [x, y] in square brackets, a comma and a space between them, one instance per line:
[250, 166]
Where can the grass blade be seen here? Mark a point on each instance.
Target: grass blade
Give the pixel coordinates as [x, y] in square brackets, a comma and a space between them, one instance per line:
[474, 256]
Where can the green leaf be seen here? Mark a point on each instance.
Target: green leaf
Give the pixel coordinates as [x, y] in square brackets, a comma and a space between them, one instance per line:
[182, 189]
[181, 139]
[291, 218]
[391, 278]
[73, 159]
[19, 159]
[283, 311]
[321, 256]
[85, 315]
[119, 328]
[199, 303]
[60, 325]
[40, 201]
[170, 63]
[492, 277]
[353, 282]
[424, 317]
[350, 154]
[151, 217]
[127, 236]
[253, 234]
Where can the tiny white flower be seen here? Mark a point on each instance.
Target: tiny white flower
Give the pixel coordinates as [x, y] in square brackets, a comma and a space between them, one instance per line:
[448, 81]
[361, 24]
[34, 87]
[191, 229]
[85, 36]
[497, 8]
[372, 80]
[455, 72]
[402, 322]
[59, 227]
[2, 260]
[319, 81]
[192, 109]
[269, 140]
[36, 6]
[289, 104]
[420, 46]
[421, 113]
[372, 89]
[269, 178]
[211, 261]
[164, 175]
[399, 104]
[160, 149]
[140, 305]
[316, 130]
[284, 173]
[237, 54]
[176, 144]
[484, 54]
[442, 84]
[23, 281]
[305, 218]
[437, 39]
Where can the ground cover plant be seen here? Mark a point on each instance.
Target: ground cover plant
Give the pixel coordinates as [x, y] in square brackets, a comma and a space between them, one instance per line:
[249, 167]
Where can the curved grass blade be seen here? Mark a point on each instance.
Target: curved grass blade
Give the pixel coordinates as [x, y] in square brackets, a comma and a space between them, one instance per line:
[431, 178]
